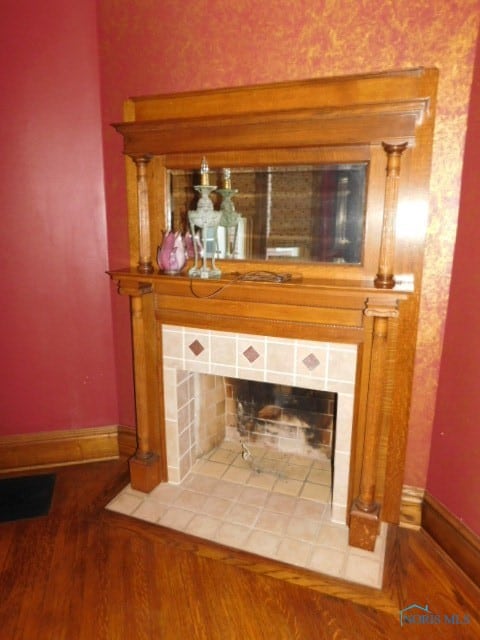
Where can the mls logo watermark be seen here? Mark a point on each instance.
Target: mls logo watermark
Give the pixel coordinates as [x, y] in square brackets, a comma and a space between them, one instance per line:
[416, 614]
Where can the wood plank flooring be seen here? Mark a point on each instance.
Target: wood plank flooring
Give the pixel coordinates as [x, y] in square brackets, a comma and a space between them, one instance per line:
[83, 572]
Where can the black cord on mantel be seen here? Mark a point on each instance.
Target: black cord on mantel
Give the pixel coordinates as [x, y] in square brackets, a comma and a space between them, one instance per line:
[249, 276]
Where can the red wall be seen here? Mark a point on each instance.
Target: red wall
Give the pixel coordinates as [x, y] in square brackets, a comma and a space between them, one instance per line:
[454, 476]
[56, 344]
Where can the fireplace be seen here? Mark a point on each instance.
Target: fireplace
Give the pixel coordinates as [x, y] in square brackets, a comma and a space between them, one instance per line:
[347, 329]
[196, 407]
[287, 499]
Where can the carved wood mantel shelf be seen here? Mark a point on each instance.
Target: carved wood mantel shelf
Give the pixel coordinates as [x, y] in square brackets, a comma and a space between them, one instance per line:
[385, 120]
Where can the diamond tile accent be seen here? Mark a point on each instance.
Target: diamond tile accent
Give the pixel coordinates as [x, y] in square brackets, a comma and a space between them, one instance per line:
[311, 362]
[196, 347]
[251, 354]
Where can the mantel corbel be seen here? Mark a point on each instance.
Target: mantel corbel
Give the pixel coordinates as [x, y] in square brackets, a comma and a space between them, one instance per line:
[380, 307]
[133, 288]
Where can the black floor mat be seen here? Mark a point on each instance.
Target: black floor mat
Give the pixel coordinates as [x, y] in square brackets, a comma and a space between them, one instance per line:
[25, 497]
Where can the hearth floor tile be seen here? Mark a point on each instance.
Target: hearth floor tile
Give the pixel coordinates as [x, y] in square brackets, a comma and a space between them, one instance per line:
[228, 503]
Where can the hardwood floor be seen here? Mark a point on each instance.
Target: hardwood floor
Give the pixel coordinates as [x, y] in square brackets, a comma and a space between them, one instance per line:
[83, 572]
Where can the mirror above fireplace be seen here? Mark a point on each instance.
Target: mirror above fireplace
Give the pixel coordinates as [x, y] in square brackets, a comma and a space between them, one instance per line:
[292, 213]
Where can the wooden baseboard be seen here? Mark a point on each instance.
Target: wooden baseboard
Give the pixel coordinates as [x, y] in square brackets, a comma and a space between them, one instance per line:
[411, 507]
[457, 540]
[127, 440]
[58, 448]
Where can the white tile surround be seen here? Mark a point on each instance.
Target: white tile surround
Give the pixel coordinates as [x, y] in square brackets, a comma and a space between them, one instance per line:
[299, 363]
[219, 496]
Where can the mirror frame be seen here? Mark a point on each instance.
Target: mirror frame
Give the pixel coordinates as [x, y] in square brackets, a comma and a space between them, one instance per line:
[383, 119]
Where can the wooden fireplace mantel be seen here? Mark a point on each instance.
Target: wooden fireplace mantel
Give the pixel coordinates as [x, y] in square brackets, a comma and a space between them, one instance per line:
[387, 121]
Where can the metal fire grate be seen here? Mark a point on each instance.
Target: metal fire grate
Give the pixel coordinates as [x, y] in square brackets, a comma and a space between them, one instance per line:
[261, 462]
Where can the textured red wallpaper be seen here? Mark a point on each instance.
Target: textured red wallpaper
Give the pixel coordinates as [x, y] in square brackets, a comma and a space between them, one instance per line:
[453, 476]
[159, 46]
[56, 342]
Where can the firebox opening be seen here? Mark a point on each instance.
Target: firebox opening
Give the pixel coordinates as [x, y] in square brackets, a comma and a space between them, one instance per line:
[272, 423]
[286, 418]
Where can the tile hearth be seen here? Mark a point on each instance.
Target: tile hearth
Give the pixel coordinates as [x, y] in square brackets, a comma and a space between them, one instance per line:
[262, 510]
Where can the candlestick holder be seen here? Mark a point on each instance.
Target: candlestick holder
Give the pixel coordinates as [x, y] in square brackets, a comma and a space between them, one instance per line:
[341, 241]
[204, 221]
[229, 219]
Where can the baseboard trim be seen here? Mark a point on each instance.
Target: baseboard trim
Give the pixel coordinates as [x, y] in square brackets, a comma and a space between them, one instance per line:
[456, 539]
[58, 448]
[411, 507]
[127, 440]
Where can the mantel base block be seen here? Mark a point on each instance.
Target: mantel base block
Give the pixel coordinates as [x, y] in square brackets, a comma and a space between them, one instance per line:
[145, 472]
[364, 528]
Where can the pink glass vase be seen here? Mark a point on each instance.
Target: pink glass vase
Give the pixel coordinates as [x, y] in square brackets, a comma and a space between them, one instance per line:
[171, 255]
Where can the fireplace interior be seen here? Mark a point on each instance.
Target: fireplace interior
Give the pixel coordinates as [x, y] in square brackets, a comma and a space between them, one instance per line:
[281, 417]
[276, 429]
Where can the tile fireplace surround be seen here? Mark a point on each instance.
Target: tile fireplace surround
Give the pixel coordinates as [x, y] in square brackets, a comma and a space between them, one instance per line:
[217, 496]
[297, 363]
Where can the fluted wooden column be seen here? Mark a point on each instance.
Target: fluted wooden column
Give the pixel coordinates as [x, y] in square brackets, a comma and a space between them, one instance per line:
[145, 264]
[385, 277]
[365, 512]
[145, 466]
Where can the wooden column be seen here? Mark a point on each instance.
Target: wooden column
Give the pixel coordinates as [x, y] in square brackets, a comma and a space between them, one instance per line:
[385, 277]
[145, 264]
[145, 466]
[365, 511]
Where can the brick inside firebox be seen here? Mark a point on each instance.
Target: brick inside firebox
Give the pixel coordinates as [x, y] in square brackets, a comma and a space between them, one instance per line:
[288, 419]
